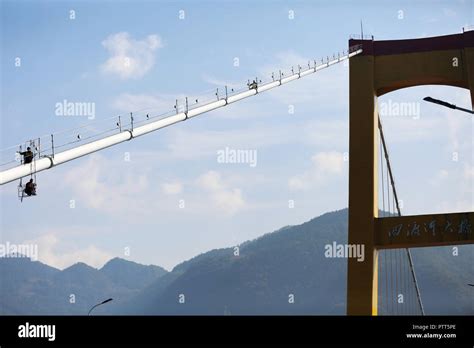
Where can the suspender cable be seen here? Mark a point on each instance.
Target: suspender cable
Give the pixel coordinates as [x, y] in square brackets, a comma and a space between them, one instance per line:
[383, 185]
[410, 260]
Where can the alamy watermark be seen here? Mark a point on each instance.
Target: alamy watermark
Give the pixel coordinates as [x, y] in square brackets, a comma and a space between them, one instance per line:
[28, 330]
[237, 156]
[402, 109]
[9, 250]
[68, 108]
[336, 250]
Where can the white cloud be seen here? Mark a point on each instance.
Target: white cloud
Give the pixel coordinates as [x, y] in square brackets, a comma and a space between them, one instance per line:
[469, 172]
[453, 206]
[434, 122]
[186, 144]
[172, 188]
[459, 181]
[130, 58]
[145, 103]
[440, 177]
[317, 89]
[467, 181]
[324, 166]
[449, 12]
[99, 185]
[228, 200]
[221, 83]
[49, 247]
[284, 60]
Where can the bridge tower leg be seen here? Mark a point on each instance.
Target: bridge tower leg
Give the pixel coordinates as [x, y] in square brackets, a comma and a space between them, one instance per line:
[362, 280]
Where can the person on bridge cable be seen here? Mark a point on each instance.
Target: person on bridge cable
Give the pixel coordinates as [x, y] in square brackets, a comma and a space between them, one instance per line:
[253, 85]
[27, 155]
[30, 188]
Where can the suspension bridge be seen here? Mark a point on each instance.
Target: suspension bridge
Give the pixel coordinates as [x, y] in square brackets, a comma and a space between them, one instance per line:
[376, 68]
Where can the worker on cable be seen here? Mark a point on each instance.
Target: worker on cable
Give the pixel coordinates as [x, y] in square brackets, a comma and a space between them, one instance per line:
[253, 85]
[30, 188]
[27, 155]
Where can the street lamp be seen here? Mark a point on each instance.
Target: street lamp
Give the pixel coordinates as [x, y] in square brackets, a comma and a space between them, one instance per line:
[446, 104]
[99, 304]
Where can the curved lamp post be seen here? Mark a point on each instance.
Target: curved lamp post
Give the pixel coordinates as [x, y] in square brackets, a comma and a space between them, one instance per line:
[446, 104]
[99, 304]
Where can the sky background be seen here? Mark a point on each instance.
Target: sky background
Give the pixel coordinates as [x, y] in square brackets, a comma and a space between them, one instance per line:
[131, 209]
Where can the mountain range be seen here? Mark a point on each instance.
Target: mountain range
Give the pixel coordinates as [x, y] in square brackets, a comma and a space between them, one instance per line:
[283, 272]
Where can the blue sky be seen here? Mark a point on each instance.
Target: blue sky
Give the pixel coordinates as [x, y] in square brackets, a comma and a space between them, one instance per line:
[135, 204]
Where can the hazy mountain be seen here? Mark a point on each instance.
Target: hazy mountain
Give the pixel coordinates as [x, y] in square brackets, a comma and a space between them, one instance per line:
[34, 288]
[130, 274]
[290, 261]
[443, 274]
[265, 275]
[24, 285]
[284, 272]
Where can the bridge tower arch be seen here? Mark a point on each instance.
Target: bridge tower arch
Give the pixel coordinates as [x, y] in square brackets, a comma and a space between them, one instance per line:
[385, 66]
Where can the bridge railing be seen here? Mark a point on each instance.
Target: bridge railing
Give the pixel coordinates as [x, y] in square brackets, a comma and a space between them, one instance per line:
[48, 145]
